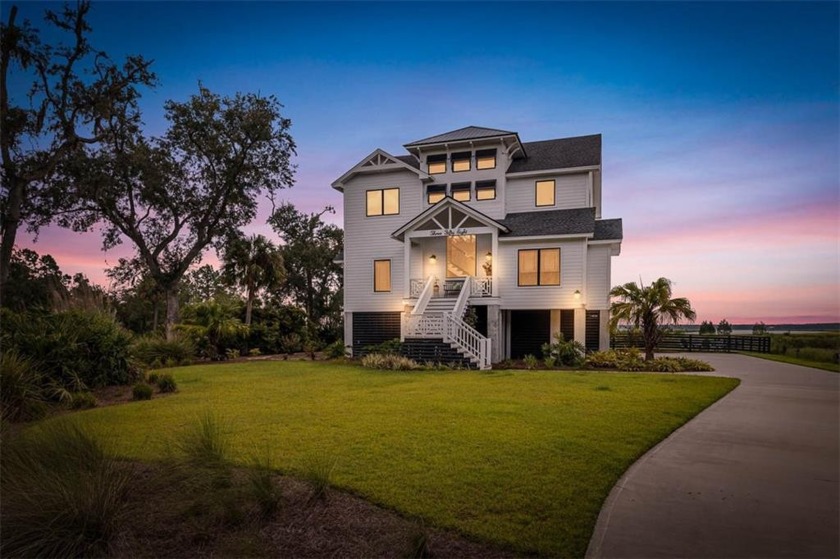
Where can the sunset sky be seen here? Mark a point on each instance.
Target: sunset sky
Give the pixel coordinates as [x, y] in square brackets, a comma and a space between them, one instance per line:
[719, 120]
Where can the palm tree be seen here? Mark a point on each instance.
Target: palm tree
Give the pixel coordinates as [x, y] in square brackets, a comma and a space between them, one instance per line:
[253, 263]
[647, 308]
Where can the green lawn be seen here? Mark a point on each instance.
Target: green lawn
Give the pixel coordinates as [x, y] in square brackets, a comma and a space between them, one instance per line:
[833, 367]
[523, 459]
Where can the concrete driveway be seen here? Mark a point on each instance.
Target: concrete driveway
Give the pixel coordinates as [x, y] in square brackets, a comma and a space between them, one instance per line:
[755, 475]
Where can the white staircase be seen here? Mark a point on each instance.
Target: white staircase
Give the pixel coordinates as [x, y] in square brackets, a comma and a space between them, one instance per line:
[442, 317]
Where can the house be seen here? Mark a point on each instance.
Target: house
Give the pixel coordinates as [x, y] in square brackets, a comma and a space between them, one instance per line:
[479, 242]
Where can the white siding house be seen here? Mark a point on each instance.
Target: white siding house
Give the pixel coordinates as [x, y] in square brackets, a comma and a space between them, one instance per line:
[477, 245]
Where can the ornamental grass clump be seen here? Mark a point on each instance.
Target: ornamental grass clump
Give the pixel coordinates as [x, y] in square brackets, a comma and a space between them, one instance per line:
[141, 391]
[63, 494]
[22, 395]
[389, 362]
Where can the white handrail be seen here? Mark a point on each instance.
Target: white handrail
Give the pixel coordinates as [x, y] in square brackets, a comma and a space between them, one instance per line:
[461, 302]
[466, 337]
[425, 295]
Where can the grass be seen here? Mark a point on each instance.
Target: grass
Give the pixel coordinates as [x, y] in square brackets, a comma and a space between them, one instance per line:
[833, 367]
[521, 459]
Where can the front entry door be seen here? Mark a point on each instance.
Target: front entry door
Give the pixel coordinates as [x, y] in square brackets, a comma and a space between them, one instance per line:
[460, 256]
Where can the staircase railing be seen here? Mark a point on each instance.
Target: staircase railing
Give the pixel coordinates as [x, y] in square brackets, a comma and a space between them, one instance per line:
[482, 287]
[461, 301]
[414, 323]
[467, 338]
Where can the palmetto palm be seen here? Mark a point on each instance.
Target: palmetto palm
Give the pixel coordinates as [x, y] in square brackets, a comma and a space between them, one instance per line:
[253, 263]
[647, 307]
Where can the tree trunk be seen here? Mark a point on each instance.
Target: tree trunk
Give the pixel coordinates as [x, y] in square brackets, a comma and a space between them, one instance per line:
[156, 316]
[249, 304]
[171, 311]
[11, 222]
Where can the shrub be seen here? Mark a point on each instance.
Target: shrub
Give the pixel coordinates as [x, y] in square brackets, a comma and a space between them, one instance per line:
[82, 401]
[663, 365]
[21, 388]
[153, 378]
[389, 362]
[142, 391]
[154, 350]
[620, 359]
[530, 362]
[76, 349]
[688, 365]
[569, 353]
[550, 362]
[63, 495]
[254, 352]
[232, 353]
[166, 383]
[335, 350]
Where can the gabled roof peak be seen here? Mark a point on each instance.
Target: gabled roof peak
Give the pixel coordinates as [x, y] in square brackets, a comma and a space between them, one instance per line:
[465, 133]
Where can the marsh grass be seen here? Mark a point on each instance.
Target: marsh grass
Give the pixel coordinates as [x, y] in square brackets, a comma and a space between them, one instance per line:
[63, 494]
[262, 487]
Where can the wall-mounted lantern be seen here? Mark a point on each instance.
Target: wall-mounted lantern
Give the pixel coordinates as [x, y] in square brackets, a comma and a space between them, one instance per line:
[433, 260]
[577, 294]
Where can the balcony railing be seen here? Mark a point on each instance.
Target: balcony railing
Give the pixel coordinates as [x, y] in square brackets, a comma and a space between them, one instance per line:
[480, 287]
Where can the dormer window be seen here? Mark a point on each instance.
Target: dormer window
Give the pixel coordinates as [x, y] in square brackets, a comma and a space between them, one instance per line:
[485, 159]
[437, 164]
[435, 193]
[461, 191]
[461, 161]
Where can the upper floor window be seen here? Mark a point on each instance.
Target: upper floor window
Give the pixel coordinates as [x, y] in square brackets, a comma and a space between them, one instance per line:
[461, 191]
[485, 190]
[435, 193]
[381, 275]
[461, 161]
[383, 202]
[539, 267]
[437, 164]
[485, 159]
[545, 193]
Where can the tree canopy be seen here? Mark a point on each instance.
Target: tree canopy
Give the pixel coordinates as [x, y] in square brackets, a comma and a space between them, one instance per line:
[174, 197]
[648, 308]
[74, 91]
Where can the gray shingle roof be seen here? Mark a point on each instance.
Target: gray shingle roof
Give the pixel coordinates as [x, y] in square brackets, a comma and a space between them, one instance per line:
[608, 230]
[576, 221]
[410, 160]
[581, 151]
[550, 222]
[466, 133]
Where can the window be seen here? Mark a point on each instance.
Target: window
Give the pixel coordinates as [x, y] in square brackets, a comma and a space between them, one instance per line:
[435, 193]
[461, 161]
[545, 193]
[381, 275]
[461, 191]
[383, 202]
[539, 267]
[485, 190]
[485, 159]
[437, 164]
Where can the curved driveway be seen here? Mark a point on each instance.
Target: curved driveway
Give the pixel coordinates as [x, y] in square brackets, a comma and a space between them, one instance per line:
[754, 475]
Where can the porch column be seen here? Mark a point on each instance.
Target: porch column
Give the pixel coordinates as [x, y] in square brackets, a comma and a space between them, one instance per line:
[495, 284]
[580, 325]
[495, 333]
[406, 266]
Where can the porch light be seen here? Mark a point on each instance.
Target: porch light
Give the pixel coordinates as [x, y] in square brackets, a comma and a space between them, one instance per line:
[577, 294]
[489, 256]
[433, 259]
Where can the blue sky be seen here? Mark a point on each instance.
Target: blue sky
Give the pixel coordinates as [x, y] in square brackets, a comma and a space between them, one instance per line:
[719, 120]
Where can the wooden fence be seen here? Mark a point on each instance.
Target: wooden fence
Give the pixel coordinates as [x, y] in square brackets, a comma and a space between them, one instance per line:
[695, 342]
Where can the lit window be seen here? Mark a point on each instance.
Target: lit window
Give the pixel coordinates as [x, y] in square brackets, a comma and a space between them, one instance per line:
[437, 164]
[539, 267]
[381, 275]
[435, 193]
[485, 159]
[485, 190]
[461, 161]
[545, 193]
[383, 202]
[461, 191]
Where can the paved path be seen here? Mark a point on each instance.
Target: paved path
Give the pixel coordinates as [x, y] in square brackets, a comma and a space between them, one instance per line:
[755, 475]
